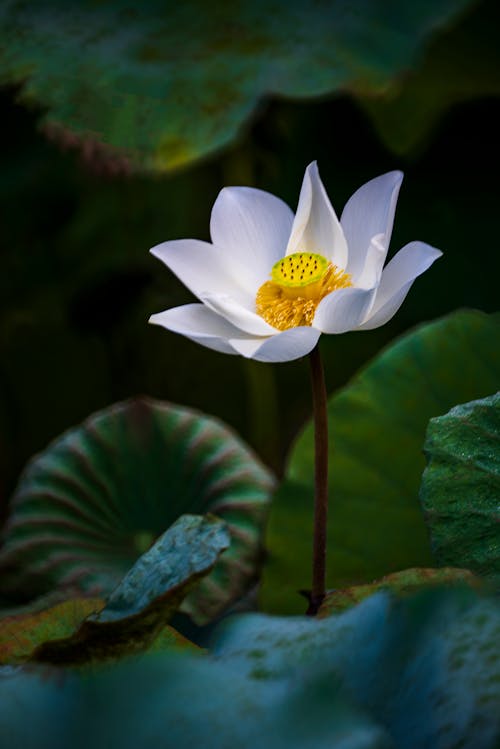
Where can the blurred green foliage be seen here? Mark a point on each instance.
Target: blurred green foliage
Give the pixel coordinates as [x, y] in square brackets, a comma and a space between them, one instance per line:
[388, 674]
[460, 65]
[169, 83]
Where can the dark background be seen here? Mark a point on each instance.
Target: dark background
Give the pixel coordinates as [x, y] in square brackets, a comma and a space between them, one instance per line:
[77, 284]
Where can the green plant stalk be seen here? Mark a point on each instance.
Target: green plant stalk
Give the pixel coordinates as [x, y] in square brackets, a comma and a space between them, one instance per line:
[317, 593]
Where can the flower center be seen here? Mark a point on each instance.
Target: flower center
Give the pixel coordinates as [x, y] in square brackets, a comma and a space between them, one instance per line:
[299, 283]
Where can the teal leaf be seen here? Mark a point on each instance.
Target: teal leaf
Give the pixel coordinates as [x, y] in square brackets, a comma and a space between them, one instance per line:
[99, 496]
[413, 673]
[166, 84]
[180, 557]
[461, 486]
[148, 596]
[425, 667]
[179, 701]
[377, 427]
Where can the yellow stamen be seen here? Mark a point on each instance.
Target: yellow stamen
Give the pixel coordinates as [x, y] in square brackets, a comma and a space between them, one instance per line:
[299, 283]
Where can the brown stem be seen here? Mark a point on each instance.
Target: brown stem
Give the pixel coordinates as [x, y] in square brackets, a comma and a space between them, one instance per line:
[321, 481]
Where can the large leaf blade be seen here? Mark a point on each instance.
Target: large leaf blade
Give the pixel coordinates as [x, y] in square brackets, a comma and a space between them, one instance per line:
[377, 426]
[168, 84]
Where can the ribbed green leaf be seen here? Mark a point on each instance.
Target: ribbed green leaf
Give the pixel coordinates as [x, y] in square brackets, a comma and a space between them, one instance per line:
[100, 495]
[168, 83]
[460, 490]
[377, 428]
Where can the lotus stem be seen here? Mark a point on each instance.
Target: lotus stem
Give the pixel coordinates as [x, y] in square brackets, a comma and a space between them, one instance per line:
[320, 482]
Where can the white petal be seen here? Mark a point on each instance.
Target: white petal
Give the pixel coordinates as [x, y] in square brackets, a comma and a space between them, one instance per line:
[370, 211]
[201, 267]
[343, 310]
[286, 346]
[374, 262]
[397, 278]
[316, 227]
[197, 322]
[241, 317]
[252, 228]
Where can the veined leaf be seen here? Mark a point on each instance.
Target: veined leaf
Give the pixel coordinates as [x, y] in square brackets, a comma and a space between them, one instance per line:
[100, 495]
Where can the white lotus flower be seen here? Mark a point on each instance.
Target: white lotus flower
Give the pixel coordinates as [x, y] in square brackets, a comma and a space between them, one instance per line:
[271, 282]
